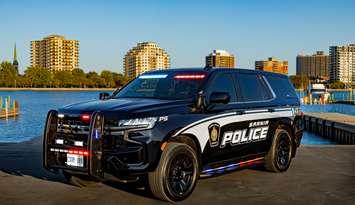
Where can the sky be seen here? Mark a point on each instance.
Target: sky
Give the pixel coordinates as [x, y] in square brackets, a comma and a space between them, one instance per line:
[187, 29]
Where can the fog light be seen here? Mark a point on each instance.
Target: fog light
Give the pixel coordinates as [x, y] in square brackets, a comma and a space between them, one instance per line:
[59, 141]
[78, 143]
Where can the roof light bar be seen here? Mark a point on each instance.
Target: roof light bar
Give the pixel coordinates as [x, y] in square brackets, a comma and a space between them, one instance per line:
[192, 76]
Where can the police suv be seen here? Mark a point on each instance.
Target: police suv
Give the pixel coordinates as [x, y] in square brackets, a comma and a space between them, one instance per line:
[171, 127]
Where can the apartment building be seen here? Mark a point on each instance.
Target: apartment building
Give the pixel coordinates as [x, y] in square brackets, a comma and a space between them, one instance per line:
[220, 59]
[55, 53]
[342, 64]
[144, 57]
[272, 65]
[315, 66]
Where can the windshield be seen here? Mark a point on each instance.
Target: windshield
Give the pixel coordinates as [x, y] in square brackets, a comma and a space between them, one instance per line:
[162, 86]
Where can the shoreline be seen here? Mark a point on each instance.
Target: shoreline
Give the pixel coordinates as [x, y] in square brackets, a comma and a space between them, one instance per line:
[57, 89]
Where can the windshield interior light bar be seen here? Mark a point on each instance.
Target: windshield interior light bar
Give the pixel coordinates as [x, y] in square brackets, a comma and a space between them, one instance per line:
[192, 76]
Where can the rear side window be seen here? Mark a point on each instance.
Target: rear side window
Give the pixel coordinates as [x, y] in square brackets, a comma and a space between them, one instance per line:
[282, 87]
[252, 88]
[223, 83]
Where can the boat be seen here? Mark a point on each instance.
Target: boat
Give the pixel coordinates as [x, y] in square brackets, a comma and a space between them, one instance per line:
[317, 94]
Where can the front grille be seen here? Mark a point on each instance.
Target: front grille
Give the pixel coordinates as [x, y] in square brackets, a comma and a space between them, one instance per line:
[72, 126]
[72, 129]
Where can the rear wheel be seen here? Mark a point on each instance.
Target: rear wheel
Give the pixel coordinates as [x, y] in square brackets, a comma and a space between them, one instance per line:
[176, 175]
[279, 157]
[76, 180]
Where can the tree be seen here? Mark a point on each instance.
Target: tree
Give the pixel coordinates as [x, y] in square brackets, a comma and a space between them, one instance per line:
[38, 77]
[62, 79]
[79, 78]
[8, 75]
[337, 85]
[43, 77]
[95, 81]
[299, 81]
[108, 77]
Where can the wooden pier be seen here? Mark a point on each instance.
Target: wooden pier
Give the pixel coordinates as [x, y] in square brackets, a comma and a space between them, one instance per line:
[8, 109]
[334, 126]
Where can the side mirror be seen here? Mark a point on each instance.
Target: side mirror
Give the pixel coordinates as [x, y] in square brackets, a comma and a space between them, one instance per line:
[219, 98]
[104, 96]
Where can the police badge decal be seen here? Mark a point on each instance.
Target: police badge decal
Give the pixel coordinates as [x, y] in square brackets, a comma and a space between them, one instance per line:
[214, 131]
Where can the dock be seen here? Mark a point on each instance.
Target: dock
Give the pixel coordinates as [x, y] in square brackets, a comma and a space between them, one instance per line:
[334, 126]
[8, 108]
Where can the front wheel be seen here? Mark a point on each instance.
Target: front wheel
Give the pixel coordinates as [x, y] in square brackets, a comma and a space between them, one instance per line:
[176, 175]
[279, 157]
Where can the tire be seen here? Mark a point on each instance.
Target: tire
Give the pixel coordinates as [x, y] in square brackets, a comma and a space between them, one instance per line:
[79, 181]
[279, 157]
[176, 176]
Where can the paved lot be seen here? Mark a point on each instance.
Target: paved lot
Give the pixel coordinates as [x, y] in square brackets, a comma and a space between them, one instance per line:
[318, 175]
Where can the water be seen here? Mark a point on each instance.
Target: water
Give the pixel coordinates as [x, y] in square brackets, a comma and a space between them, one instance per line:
[334, 95]
[34, 106]
[339, 108]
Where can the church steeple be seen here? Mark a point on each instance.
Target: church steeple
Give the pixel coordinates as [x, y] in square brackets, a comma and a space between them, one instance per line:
[15, 62]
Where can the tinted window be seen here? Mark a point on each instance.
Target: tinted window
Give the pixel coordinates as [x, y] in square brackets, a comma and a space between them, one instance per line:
[161, 86]
[281, 86]
[252, 88]
[223, 83]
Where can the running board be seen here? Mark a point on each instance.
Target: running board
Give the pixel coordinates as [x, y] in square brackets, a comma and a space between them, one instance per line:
[210, 171]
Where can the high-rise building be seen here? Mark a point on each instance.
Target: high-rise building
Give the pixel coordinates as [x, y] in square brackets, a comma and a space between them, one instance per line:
[342, 64]
[272, 65]
[55, 53]
[220, 59]
[314, 66]
[144, 57]
[14, 61]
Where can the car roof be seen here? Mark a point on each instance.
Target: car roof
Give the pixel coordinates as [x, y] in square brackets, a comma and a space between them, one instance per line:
[213, 70]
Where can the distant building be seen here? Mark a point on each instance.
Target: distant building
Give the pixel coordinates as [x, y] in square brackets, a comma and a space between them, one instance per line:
[15, 62]
[144, 57]
[314, 66]
[220, 59]
[272, 65]
[342, 64]
[55, 53]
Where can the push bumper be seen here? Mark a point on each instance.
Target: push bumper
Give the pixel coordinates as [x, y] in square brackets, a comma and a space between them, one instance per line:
[54, 155]
[103, 155]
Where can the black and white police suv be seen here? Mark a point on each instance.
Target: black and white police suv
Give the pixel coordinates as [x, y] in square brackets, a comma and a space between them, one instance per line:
[171, 127]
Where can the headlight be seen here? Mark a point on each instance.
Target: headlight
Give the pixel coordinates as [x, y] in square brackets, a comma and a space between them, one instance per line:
[146, 123]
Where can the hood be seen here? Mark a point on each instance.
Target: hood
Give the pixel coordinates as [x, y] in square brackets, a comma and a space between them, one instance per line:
[124, 105]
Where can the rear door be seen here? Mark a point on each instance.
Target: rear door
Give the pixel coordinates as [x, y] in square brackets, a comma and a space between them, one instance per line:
[260, 120]
[243, 126]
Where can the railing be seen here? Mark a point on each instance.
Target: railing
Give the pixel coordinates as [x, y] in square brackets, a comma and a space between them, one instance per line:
[8, 109]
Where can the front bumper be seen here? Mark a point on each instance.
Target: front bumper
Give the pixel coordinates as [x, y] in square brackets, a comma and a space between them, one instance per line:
[104, 152]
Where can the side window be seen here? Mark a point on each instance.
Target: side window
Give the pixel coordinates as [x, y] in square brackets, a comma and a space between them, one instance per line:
[282, 87]
[223, 83]
[252, 87]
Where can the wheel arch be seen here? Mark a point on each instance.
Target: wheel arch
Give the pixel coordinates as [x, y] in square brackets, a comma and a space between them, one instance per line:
[190, 140]
[287, 124]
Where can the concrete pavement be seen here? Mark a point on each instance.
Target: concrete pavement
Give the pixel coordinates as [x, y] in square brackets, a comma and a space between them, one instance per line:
[318, 175]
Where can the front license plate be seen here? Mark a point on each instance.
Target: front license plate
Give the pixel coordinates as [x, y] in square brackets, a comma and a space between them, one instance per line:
[75, 160]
